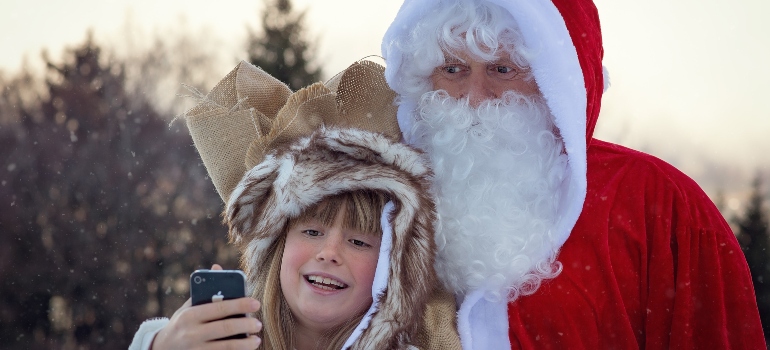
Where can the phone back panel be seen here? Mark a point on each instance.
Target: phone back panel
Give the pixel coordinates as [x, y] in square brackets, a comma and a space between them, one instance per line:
[206, 285]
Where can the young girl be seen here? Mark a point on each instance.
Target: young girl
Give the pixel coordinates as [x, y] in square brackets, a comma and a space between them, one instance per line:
[333, 217]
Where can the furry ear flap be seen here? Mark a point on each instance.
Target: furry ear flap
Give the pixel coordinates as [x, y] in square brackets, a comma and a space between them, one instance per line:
[245, 212]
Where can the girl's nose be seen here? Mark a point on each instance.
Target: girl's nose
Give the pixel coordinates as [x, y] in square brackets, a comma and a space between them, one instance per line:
[329, 251]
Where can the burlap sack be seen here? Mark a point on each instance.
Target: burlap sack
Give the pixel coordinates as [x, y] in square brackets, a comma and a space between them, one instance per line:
[250, 114]
[439, 327]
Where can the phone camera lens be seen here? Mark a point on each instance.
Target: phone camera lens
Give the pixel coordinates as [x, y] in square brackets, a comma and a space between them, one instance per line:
[197, 279]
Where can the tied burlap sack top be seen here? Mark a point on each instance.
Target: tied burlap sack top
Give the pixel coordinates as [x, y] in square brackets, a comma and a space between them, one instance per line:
[249, 114]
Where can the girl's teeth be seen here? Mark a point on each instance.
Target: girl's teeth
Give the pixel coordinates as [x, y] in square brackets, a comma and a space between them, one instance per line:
[325, 282]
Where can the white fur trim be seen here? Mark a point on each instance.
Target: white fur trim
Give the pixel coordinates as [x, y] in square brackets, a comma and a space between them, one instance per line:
[558, 74]
[477, 310]
[146, 333]
[380, 274]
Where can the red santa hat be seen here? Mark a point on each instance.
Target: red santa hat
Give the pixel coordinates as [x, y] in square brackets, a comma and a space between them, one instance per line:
[566, 36]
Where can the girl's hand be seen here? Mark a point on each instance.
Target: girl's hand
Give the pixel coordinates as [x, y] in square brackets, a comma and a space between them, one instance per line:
[197, 327]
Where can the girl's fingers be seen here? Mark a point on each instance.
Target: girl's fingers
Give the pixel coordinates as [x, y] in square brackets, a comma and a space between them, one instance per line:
[195, 331]
[232, 326]
[215, 311]
[250, 343]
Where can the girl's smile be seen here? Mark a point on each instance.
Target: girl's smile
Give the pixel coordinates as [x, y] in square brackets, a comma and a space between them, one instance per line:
[325, 283]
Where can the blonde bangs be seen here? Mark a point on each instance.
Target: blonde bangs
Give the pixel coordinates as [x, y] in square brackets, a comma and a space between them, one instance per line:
[362, 211]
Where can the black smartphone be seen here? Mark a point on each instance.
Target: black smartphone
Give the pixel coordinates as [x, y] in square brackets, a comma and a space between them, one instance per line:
[211, 286]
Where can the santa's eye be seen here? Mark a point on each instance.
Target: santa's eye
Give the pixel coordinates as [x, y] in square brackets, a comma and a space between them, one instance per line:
[452, 69]
[504, 71]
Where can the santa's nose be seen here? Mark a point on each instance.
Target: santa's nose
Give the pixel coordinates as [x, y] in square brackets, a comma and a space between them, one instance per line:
[479, 88]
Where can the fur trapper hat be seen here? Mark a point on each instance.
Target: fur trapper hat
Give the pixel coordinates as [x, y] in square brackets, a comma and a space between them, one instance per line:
[273, 154]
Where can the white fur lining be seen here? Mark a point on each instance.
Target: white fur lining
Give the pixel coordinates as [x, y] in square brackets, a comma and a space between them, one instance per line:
[380, 274]
[146, 333]
[483, 324]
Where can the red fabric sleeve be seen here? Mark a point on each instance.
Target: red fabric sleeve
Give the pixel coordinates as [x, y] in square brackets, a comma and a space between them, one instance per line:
[650, 264]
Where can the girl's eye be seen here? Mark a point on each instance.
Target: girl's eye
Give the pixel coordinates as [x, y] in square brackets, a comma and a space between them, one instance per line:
[312, 233]
[361, 244]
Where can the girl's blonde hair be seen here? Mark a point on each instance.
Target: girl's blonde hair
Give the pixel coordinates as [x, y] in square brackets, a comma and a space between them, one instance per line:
[362, 212]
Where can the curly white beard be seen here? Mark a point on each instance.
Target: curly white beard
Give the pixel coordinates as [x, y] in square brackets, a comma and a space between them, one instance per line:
[498, 172]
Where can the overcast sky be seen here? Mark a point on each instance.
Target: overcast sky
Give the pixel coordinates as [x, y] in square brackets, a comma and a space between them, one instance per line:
[689, 78]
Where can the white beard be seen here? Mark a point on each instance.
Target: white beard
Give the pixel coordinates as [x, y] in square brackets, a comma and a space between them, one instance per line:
[498, 170]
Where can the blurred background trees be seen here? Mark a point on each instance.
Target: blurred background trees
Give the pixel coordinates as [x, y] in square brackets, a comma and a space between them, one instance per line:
[281, 47]
[753, 236]
[107, 207]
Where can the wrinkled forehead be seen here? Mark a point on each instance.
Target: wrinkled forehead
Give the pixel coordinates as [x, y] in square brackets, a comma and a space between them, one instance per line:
[466, 55]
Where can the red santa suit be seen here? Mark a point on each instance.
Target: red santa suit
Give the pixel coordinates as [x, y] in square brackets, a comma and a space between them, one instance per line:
[648, 261]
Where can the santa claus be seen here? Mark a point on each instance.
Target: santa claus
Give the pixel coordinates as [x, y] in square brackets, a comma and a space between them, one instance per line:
[548, 237]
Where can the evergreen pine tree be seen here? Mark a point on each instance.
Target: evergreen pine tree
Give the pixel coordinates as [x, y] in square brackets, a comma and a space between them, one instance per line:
[281, 48]
[753, 236]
